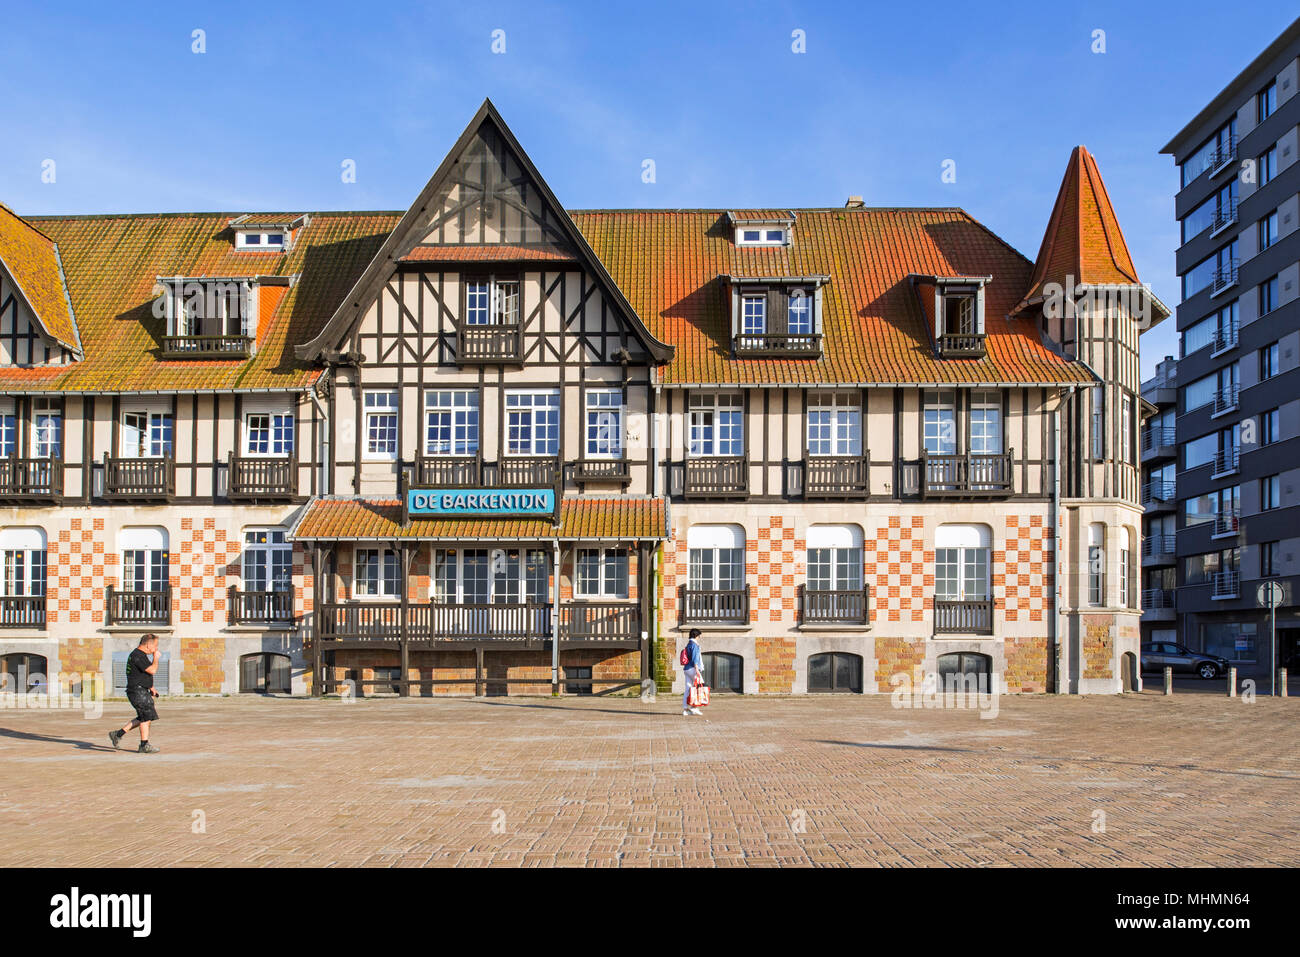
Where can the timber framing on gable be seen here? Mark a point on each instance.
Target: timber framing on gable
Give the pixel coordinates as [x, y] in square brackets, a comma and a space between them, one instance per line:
[413, 228]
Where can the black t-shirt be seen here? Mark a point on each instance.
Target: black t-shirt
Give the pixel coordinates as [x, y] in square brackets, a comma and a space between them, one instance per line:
[136, 676]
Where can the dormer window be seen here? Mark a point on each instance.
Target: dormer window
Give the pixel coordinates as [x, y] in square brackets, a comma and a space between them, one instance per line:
[760, 237]
[209, 318]
[776, 318]
[959, 318]
[268, 235]
[490, 330]
[258, 241]
[799, 313]
[762, 228]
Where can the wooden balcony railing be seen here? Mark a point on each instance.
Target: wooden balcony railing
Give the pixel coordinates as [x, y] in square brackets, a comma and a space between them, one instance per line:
[260, 607]
[449, 471]
[254, 478]
[716, 477]
[207, 347]
[137, 607]
[836, 476]
[963, 617]
[603, 470]
[489, 343]
[22, 611]
[600, 621]
[784, 345]
[963, 475]
[532, 471]
[726, 607]
[851, 607]
[961, 345]
[30, 480]
[363, 621]
[139, 478]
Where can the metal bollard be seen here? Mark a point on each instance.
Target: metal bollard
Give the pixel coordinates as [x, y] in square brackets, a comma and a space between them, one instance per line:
[1281, 682]
[1169, 680]
[1232, 682]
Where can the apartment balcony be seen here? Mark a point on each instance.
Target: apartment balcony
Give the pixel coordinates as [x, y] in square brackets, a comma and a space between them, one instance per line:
[1225, 524]
[1158, 495]
[954, 345]
[260, 607]
[258, 479]
[600, 623]
[716, 477]
[532, 471]
[963, 617]
[1158, 550]
[489, 344]
[1226, 462]
[837, 477]
[1223, 155]
[1158, 604]
[1225, 401]
[710, 607]
[31, 481]
[207, 347]
[137, 607]
[965, 476]
[22, 611]
[837, 607]
[613, 471]
[139, 479]
[1159, 442]
[783, 345]
[449, 471]
[1225, 338]
[1224, 217]
[1225, 277]
[1225, 584]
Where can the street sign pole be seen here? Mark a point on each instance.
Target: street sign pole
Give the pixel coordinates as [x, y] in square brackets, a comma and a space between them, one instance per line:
[1270, 593]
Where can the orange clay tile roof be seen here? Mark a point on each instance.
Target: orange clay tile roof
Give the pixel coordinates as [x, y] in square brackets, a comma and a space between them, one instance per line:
[496, 252]
[1083, 239]
[111, 264]
[621, 519]
[32, 259]
[667, 262]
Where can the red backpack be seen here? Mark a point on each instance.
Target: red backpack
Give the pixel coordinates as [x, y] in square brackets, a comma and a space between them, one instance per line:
[685, 656]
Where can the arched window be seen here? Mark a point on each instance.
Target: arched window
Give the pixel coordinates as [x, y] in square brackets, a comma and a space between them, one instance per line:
[724, 672]
[1096, 564]
[264, 672]
[965, 671]
[22, 578]
[21, 673]
[145, 592]
[834, 591]
[715, 590]
[835, 672]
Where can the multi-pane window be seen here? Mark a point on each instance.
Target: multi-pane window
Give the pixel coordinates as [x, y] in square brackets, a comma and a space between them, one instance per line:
[1268, 231]
[533, 423]
[1269, 424]
[376, 573]
[939, 423]
[1266, 166]
[1219, 268]
[1125, 569]
[1266, 101]
[1268, 565]
[986, 423]
[1268, 361]
[480, 576]
[834, 424]
[834, 558]
[268, 560]
[47, 437]
[961, 563]
[604, 423]
[451, 422]
[717, 425]
[715, 558]
[799, 313]
[1270, 493]
[146, 434]
[602, 573]
[959, 314]
[1096, 565]
[753, 315]
[492, 301]
[1268, 296]
[268, 433]
[1126, 428]
[8, 432]
[22, 562]
[144, 560]
[1213, 152]
[381, 424]
[460, 576]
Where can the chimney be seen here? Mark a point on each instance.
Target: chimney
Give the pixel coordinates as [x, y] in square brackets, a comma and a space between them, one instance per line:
[855, 202]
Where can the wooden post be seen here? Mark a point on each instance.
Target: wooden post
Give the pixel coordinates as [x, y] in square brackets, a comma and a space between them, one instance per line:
[478, 671]
[407, 555]
[317, 589]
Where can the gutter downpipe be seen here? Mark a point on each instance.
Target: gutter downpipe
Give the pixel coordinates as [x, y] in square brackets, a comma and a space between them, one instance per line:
[653, 578]
[1057, 631]
[324, 441]
[555, 618]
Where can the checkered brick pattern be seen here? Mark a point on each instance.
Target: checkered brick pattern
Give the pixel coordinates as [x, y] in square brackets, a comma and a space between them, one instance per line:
[778, 571]
[199, 566]
[1026, 586]
[76, 562]
[900, 570]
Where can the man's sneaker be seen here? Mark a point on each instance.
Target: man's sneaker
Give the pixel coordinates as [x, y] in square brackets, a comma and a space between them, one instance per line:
[147, 748]
[685, 712]
[696, 711]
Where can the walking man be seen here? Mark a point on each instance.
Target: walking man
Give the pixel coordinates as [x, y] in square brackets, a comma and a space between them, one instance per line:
[691, 664]
[141, 665]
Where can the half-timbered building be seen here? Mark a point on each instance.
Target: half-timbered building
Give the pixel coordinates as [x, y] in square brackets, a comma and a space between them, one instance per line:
[490, 445]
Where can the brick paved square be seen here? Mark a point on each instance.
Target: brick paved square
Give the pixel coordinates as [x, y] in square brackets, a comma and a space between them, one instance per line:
[817, 780]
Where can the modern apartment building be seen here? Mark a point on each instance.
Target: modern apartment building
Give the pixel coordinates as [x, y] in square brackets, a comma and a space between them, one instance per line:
[490, 445]
[1238, 425]
[1160, 504]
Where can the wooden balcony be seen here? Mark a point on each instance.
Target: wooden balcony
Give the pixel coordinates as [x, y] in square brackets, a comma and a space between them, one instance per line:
[366, 623]
[139, 479]
[963, 617]
[207, 347]
[727, 607]
[260, 607]
[844, 607]
[965, 476]
[718, 477]
[449, 471]
[489, 343]
[784, 345]
[31, 481]
[531, 471]
[617, 471]
[955, 345]
[256, 479]
[22, 611]
[137, 607]
[600, 622]
[837, 477]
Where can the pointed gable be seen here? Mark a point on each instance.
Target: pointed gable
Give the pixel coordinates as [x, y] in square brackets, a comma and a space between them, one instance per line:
[1083, 241]
[32, 261]
[486, 203]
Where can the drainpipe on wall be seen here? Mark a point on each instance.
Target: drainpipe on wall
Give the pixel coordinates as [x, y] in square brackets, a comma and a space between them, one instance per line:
[555, 619]
[1055, 617]
[324, 441]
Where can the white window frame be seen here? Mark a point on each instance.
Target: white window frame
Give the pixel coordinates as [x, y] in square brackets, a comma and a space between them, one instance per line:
[711, 549]
[833, 424]
[519, 567]
[148, 547]
[753, 314]
[1096, 569]
[280, 427]
[1125, 569]
[604, 424]
[156, 434]
[269, 545]
[706, 426]
[607, 579]
[23, 562]
[986, 426]
[834, 558]
[533, 425]
[769, 234]
[799, 313]
[501, 302]
[458, 413]
[47, 428]
[373, 413]
[387, 587]
[244, 239]
[967, 550]
[939, 418]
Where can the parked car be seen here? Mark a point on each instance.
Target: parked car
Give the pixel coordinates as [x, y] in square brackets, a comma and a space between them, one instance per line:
[1157, 655]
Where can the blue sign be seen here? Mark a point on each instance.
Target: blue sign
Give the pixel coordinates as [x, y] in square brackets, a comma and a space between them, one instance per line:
[480, 501]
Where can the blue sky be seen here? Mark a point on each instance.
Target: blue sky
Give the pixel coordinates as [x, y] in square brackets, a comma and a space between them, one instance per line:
[712, 92]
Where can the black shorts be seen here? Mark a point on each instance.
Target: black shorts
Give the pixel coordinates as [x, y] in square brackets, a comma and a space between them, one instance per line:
[142, 700]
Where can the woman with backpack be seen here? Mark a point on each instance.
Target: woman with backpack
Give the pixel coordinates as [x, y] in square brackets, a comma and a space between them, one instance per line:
[692, 665]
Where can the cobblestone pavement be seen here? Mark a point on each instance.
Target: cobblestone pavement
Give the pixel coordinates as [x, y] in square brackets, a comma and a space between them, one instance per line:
[1134, 780]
